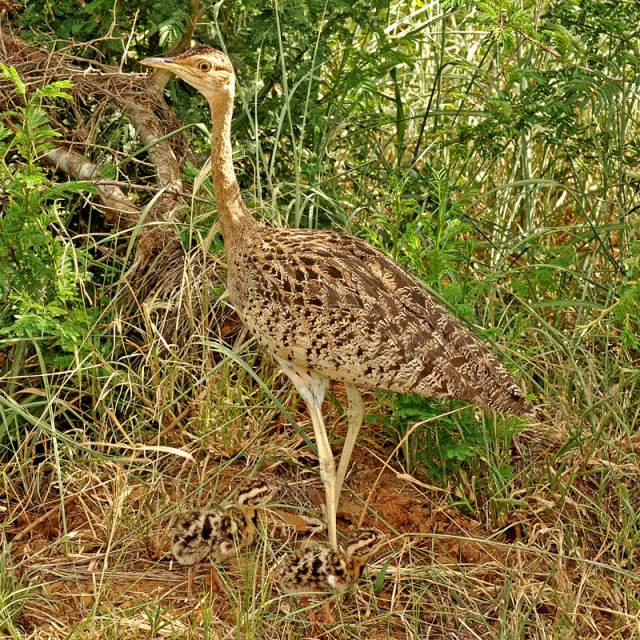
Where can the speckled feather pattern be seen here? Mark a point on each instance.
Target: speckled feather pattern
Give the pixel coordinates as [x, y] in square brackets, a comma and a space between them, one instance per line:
[316, 568]
[211, 533]
[335, 306]
[331, 306]
[217, 532]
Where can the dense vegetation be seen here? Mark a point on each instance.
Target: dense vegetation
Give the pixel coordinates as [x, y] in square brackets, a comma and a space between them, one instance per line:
[491, 148]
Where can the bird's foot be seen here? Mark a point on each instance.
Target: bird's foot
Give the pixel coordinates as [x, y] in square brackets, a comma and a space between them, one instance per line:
[324, 616]
[215, 581]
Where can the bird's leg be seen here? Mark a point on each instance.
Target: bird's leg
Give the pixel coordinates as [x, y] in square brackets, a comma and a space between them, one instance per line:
[327, 614]
[215, 581]
[312, 387]
[327, 468]
[306, 603]
[190, 581]
[355, 414]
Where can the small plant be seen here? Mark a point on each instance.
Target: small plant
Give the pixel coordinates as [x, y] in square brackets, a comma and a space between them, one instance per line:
[430, 238]
[627, 310]
[42, 273]
[441, 445]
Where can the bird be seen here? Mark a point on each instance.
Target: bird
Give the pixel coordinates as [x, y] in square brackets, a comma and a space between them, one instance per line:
[217, 532]
[330, 307]
[320, 569]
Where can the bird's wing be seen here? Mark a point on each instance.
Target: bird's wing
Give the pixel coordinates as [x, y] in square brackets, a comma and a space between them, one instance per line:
[337, 305]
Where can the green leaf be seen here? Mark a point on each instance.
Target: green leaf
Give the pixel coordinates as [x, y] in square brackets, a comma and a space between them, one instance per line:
[11, 74]
[54, 90]
[378, 583]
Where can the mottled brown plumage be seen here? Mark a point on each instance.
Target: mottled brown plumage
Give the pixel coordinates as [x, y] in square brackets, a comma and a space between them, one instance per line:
[331, 307]
[341, 308]
[316, 568]
[217, 532]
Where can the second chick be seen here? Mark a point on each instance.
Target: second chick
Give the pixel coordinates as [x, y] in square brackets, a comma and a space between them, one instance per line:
[217, 532]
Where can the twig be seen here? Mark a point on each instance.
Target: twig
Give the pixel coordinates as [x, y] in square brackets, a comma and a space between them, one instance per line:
[117, 207]
[160, 77]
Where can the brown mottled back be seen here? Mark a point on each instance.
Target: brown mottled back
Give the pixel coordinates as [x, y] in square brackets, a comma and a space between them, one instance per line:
[331, 305]
[318, 568]
[337, 306]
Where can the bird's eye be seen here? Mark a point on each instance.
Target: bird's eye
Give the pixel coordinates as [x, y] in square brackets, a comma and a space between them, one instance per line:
[204, 66]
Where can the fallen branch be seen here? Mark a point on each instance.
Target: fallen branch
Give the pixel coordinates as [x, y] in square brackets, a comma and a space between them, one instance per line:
[168, 288]
[152, 120]
[117, 208]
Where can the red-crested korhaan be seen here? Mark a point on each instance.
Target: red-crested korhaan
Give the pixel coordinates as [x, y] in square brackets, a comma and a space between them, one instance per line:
[216, 533]
[315, 568]
[329, 306]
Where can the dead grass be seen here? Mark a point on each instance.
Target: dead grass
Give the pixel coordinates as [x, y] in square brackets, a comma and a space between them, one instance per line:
[162, 423]
[91, 561]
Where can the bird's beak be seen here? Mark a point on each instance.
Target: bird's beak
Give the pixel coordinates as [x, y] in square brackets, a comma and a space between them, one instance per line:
[160, 63]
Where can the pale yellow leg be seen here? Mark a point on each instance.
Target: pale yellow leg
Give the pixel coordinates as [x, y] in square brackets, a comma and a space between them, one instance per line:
[327, 469]
[312, 388]
[355, 415]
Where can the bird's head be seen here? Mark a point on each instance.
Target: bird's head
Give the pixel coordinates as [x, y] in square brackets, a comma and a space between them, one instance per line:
[255, 493]
[361, 545]
[208, 70]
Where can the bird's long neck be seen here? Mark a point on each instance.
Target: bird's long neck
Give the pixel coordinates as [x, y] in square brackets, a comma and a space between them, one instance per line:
[235, 218]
